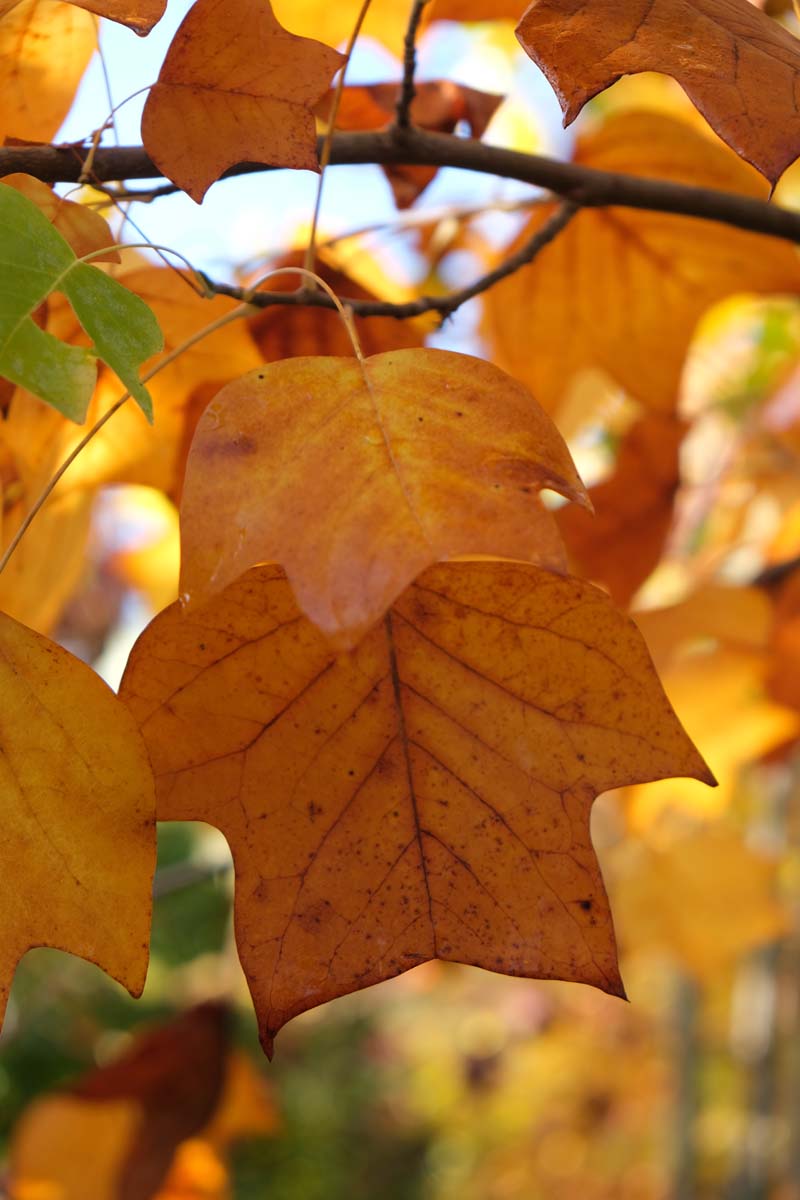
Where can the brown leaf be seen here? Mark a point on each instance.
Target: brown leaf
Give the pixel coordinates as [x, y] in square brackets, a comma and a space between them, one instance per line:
[78, 824]
[163, 1090]
[355, 487]
[235, 87]
[437, 105]
[45, 46]
[426, 795]
[623, 290]
[138, 15]
[738, 66]
[292, 332]
[86, 231]
[622, 542]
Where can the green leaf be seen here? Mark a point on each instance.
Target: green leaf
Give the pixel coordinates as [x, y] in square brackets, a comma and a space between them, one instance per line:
[35, 260]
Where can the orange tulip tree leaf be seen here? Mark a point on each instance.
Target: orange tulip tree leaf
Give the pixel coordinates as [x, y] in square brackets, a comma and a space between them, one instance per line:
[438, 105]
[78, 813]
[622, 542]
[45, 47]
[738, 66]
[86, 230]
[426, 795]
[291, 332]
[138, 15]
[355, 481]
[235, 86]
[115, 1132]
[622, 290]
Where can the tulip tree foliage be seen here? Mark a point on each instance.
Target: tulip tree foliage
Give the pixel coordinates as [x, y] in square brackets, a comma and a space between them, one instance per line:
[399, 672]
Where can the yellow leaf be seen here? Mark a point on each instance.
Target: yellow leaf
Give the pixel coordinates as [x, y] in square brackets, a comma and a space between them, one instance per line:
[78, 813]
[624, 290]
[45, 47]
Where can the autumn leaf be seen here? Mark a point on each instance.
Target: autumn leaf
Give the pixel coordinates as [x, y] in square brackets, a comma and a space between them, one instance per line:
[79, 839]
[426, 795]
[715, 873]
[386, 22]
[357, 478]
[86, 230]
[738, 66]
[38, 261]
[292, 332]
[439, 105]
[621, 542]
[624, 290]
[138, 15]
[113, 1135]
[45, 46]
[235, 86]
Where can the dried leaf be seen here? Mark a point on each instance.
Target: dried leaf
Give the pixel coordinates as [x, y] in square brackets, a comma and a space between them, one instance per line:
[475, 10]
[738, 66]
[45, 47]
[621, 543]
[438, 105]
[235, 87]
[426, 795]
[114, 1134]
[292, 332]
[79, 831]
[623, 290]
[138, 15]
[355, 481]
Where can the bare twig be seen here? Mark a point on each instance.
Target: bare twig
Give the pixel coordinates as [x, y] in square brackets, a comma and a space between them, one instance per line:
[584, 185]
[408, 91]
[445, 306]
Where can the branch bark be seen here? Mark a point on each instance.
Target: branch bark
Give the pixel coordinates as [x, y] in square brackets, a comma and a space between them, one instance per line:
[585, 186]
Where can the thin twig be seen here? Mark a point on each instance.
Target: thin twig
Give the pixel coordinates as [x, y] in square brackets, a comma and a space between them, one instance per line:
[408, 90]
[310, 259]
[445, 306]
[586, 186]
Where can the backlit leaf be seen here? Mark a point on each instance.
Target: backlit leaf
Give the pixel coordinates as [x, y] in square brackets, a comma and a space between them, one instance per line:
[386, 21]
[737, 65]
[235, 86]
[78, 813]
[138, 15]
[624, 290]
[426, 795]
[355, 483]
[45, 47]
[36, 261]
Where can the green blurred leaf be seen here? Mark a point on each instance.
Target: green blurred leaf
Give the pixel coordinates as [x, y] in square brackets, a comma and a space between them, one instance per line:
[35, 260]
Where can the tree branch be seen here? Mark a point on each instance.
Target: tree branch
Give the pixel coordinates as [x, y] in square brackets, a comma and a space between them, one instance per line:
[445, 306]
[585, 186]
[408, 91]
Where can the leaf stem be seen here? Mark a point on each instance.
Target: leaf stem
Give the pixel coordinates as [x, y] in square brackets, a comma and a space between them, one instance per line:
[234, 315]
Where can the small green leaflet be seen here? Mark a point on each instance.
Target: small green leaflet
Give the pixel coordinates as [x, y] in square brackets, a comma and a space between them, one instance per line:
[35, 260]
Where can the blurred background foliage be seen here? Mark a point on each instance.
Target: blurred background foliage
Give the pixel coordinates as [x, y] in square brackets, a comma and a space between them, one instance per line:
[449, 1083]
